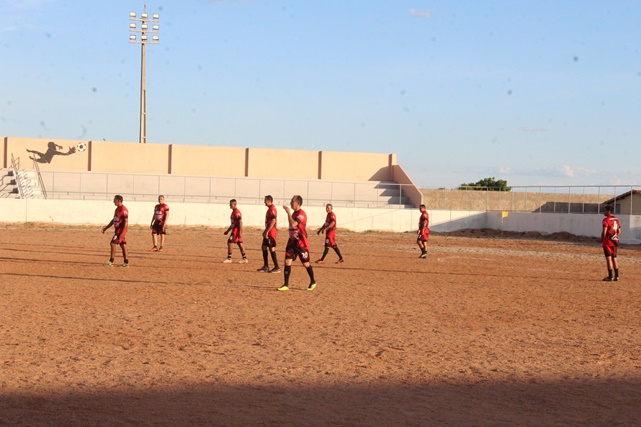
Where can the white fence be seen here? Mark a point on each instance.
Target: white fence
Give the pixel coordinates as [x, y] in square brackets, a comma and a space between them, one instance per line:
[198, 189]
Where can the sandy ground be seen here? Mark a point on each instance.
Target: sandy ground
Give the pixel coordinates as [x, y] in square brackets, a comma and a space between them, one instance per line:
[489, 330]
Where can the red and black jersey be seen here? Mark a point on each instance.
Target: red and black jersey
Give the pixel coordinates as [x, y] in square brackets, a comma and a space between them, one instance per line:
[298, 234]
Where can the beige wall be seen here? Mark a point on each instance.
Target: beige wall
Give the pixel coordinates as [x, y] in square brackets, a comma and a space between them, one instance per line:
[356, 166]
[207, 161]
[78, 161]
[270, 163]
[129, 157]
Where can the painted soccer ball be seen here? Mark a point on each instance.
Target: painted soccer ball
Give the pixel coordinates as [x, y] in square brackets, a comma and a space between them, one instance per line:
[82, 146]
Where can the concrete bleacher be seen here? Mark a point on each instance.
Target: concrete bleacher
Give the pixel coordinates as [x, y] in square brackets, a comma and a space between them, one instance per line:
[200, 189]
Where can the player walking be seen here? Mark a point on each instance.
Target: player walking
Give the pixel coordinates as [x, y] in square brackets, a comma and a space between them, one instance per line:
[297, 245]
[120, 222]
[269, 237]
[610, 240]
[423, 231]
[330, 235]
[159, 224]
[236, 236]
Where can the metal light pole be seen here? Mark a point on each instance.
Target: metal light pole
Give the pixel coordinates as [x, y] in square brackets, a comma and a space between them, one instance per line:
[144, 30]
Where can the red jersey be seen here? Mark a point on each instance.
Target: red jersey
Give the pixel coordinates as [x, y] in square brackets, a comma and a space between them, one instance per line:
[298, 234]
[271, 214]
[331, 216]
[236, 217]
[612, 227]
[120, 214]
[423, 221]
[160, 213]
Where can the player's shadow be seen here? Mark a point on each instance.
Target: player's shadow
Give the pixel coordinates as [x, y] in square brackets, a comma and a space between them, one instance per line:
[86, 279]
[376, 403]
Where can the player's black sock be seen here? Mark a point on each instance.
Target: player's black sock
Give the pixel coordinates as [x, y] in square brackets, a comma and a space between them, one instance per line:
[610, 274]
[325, 253]
[126, 261]
[111, 260]
[310, 271]
[229, 255]
[288, 269]
[616, 272]
[423, 250]
[244, 256]
[275, 259]
[338, 252]
[265, 263]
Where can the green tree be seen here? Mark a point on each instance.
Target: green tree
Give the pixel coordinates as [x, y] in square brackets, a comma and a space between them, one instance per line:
[490, 184]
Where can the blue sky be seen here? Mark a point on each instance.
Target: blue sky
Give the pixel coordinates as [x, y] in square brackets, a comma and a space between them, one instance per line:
[534, 92]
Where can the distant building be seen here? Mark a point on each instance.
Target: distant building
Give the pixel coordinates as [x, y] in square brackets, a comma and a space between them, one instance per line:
[628, 203]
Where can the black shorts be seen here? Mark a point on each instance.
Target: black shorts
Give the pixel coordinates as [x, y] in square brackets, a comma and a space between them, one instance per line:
[158, 228]
[292, 252]
[269, 242]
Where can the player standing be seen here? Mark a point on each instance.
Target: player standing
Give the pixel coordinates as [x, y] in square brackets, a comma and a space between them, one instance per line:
[423, 231]
[236, 236]
[120, 222]
[297, 245]
[610, 240]
[159, 223]
[269, 237]
[330, 235]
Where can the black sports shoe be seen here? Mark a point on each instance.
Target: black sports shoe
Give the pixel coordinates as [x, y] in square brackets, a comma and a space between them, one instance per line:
[608, 279]
[616, 279]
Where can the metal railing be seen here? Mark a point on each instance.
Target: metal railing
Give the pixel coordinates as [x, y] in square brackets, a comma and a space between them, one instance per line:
[15, 166]
[199, 189]
[41, 183]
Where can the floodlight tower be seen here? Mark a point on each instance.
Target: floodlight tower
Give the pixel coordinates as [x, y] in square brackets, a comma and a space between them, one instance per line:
[144, 30]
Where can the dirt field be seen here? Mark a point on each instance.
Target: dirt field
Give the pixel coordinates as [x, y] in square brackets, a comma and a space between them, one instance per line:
[489, 330]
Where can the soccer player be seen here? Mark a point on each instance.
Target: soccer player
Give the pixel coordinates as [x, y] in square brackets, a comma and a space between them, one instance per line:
[610, 240]
[423, 231]
[269, 237]
[297, 245]
[120, 222]
[330, 235]
[159, 223]
[236, 236]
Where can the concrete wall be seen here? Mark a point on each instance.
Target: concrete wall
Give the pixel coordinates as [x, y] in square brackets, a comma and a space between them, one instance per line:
[357, 166]
[207, 161]
[355, 219]
[578, 224]
[409, 189]
[514, 201]
[128, 157]
[217, 215]
[270, 163]
[77, 161]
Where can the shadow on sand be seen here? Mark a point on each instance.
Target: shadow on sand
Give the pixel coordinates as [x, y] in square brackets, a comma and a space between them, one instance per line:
[565, 402]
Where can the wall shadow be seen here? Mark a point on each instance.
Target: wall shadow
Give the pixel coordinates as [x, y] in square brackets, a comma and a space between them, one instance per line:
[525, 404]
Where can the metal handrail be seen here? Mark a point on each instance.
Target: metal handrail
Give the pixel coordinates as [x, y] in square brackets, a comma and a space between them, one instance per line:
[40, 181]
[15, 165]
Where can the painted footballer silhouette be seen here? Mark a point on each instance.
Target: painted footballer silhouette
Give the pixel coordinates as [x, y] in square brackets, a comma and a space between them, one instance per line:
[52, 150]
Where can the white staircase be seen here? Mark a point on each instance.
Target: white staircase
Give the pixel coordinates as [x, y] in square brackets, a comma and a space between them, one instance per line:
[21, 183]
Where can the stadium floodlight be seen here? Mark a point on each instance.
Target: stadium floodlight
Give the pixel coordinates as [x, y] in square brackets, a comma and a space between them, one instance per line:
[144, 40]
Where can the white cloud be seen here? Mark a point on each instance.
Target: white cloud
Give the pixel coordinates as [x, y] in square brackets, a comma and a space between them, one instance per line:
[420, 13]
